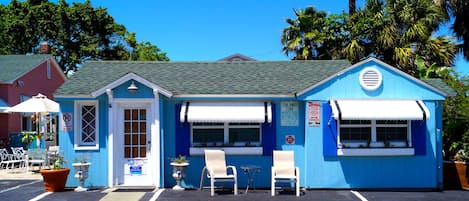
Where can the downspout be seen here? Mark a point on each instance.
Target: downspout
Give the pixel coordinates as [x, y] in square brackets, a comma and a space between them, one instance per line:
[111, 170]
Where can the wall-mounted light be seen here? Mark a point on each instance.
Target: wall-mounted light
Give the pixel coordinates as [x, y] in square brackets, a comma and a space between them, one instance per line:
[132, 88]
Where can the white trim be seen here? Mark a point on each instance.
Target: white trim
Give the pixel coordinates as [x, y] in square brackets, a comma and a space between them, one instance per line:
[112, 131]
[197, 151]
[155, 139]
[376, 152]
[127, 77]
[78, 117]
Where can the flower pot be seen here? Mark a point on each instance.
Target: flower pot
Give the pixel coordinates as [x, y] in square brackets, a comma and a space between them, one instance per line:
[179, 172]
[55, 179]
[455, 175]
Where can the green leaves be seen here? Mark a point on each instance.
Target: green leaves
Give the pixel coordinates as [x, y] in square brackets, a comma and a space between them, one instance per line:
[76, 33]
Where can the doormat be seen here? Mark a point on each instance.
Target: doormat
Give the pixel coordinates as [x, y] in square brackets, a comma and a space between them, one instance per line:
[134, 190]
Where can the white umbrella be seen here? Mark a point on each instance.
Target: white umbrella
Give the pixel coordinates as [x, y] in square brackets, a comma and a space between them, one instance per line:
[37, 104]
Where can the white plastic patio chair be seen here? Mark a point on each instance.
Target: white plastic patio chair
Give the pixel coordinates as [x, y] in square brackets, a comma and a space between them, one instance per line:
[36, 156]
[284, 170]
[5, 158]
[217, 171]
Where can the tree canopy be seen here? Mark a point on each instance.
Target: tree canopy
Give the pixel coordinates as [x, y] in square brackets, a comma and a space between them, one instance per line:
[76, 32]
[395, 31]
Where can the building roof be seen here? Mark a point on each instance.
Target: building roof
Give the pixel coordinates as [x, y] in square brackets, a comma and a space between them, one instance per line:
[206, 78]
[237, 57]
[14, 66]
[440, 84]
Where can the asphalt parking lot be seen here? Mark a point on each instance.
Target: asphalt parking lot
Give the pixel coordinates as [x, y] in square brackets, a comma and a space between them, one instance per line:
[33, 189]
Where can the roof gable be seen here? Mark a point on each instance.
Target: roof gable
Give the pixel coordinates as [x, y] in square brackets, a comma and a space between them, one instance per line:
[127, 77]
[394, 83]
[15, 66]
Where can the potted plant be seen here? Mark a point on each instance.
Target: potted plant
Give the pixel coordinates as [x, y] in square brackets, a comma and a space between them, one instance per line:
[81, 166]
[56, 177]
[179, 170]
[456, 174]
[27, 137]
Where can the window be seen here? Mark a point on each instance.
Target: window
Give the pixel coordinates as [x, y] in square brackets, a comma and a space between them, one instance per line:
[226, 134]
[233, 138]
[374, 133]
[87, 135]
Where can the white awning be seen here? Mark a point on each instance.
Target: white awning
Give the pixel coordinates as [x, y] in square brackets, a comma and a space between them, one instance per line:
[246, 112]
[379, 110]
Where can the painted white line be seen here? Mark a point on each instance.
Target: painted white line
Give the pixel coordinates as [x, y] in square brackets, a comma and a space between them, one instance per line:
[40, 196]
[156, 195]
[19, 186]
[360, 196]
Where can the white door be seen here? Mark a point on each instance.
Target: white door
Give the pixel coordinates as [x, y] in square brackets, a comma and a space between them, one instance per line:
[135, 146]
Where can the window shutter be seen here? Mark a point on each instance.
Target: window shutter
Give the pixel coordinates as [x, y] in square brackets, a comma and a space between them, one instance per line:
[329, 130]
[419, 134]
[269, 135]
[183, 133]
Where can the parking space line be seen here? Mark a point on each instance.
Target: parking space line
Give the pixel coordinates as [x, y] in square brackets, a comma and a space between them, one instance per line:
[40, 196]
[19, 186]
[360, 196]
[156, 195]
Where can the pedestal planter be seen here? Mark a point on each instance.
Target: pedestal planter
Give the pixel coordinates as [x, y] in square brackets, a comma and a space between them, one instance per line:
[54, 179]
[455, 175]
[179, 172]
[81, 173]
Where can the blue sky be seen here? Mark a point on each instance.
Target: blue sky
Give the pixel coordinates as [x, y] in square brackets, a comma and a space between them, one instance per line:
[208, 30]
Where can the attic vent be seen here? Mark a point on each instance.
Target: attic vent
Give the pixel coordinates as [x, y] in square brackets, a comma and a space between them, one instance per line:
[370, 78]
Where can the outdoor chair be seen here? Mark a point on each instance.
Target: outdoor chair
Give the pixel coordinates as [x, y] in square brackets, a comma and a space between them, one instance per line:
[36, 157]
[217, 170]
[284, 170]
[5, 158]
[11, 159]
[52, 154]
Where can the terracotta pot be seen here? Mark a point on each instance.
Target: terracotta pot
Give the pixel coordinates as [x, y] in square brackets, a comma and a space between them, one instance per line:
[455, 175]
[54, 180]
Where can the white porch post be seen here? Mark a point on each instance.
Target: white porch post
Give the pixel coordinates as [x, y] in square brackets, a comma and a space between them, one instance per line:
[111, 128]
[155, 139]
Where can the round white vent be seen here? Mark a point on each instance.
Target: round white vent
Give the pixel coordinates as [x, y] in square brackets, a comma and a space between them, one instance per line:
[370, 78]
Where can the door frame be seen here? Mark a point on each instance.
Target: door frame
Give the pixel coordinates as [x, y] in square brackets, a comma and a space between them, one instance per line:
[115, 145]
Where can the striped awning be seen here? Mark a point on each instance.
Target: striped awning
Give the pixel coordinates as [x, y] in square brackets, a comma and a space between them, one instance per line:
[238, 112]
[379, 110]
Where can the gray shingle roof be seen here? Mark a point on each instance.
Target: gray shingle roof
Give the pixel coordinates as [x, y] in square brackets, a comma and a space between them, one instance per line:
[14, 66]
[441, 85]
[213, 78]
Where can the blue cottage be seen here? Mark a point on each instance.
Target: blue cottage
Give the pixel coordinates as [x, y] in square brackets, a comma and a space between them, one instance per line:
[366, 125]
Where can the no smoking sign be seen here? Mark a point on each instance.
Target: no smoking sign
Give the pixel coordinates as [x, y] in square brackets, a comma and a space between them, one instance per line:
[290, 139]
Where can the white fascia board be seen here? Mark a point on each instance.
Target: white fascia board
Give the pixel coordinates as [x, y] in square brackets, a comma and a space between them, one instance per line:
[127, 77]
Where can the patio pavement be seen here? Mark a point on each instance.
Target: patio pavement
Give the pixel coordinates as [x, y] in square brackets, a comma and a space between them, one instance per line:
[19, 185]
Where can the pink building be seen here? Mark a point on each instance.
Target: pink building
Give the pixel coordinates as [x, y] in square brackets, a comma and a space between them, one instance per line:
[21, 77]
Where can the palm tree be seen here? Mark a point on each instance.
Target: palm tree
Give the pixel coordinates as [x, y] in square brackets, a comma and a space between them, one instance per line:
[304, 34]
[351, 6]
[313, 35]
[396, 31]
[460, 12]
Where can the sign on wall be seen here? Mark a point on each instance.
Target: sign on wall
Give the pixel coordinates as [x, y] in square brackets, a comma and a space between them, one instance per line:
[289, 113]
[290, 139]
[314, 117]
[66, 121]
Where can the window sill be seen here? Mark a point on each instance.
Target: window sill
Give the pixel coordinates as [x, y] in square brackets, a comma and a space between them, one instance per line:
[82, 147]
[376, 152]
[194, 151]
